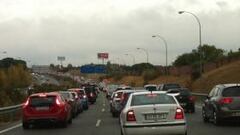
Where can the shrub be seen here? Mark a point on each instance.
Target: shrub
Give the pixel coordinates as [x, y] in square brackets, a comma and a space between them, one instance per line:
[150, 74]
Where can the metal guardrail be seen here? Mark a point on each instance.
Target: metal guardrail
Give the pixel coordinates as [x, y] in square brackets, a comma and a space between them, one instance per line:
[10, 113]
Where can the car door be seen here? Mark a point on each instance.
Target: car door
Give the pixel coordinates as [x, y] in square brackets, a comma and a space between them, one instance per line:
[208, 102]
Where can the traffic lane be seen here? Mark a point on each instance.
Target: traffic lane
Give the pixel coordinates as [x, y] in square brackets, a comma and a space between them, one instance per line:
[196, 126]
[84, 124]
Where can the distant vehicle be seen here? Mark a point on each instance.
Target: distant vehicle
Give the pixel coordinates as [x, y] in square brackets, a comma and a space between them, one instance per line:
[110, 89]
[46, 107]
[167, 86]
[78, 101]
[82, 96]
[71, 100]
[91, 93]
[222, 104]
[150, 87]
[185, 98]
[152, 113]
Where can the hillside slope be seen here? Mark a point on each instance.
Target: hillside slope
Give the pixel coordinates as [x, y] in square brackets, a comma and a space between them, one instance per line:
[227, 74]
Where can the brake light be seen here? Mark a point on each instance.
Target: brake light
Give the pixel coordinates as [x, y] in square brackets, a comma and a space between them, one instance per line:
[26, 103]
[91, 94]
[57, 101]
[84, 96]
[191, 98]
[179, 114]
[131, 116]
[42, 95]
[226, 100]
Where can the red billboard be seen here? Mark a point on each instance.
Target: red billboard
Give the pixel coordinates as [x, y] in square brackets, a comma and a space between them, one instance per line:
[102, 55]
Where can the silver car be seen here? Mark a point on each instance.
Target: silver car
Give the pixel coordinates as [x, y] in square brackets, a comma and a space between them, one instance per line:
[152, 113]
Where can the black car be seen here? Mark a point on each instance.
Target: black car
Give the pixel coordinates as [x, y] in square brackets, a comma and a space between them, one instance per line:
[222, 104]
[185, 98]
[91, 92]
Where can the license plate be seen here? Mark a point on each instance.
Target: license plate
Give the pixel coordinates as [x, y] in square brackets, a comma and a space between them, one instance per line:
[42, 108]
[159, 116]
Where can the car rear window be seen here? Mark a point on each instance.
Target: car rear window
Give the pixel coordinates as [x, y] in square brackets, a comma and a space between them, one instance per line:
[37, 101]
[65, 95]
[151, 88]
[232, 92]
[148, 99]
[171, 86]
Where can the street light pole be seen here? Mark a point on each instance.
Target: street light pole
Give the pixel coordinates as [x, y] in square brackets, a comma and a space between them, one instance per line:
[200, 37]
[146, 51]
[166, 47]
[133, 57]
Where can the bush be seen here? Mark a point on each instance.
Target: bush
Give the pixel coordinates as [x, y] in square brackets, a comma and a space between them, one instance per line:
[195, 75]
[150, 74]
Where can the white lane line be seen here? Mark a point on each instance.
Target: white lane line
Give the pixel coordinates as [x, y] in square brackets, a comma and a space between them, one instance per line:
[98, 123]
[103, 110]
[104, 105]
[11, 128]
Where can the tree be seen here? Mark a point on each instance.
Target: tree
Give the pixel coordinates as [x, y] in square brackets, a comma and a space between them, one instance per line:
[69, 66]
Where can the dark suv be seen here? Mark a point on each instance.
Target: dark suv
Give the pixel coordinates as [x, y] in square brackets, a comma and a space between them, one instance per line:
[222, 103]
[167, 86]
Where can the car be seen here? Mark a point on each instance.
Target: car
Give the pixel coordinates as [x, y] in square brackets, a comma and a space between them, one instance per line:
[78, 101]
[82, 96]
[45, 108]
[152, 112]
[185, 98]
[167, 86]
[71, 100]
[150, 87]
[110, 89]
[91, 94]
[222, 104]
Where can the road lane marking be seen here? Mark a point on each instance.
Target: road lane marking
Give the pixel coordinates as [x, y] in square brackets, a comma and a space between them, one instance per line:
[98, 123]
[11, 128]
[104, 105]
[103, 110]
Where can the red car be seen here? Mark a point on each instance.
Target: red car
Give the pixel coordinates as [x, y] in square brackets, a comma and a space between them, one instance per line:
[46, 107]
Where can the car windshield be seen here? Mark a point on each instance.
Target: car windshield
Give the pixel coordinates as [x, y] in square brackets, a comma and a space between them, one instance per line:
[231, 92]
[151, 98]
[37, 101]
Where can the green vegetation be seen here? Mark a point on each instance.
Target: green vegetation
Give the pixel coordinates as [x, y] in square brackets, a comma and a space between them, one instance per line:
[13, 78]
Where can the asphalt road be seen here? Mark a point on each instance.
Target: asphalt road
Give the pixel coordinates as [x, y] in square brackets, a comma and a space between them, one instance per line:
[98, 121]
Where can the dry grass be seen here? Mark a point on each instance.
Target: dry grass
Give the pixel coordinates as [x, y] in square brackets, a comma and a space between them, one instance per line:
[226, 74]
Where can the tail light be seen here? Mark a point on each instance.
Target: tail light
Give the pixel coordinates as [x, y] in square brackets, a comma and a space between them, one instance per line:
[191, 98]
[91, 94]
[84, 96]
[57, 101]
[131, 116]
[226, 100]
[26, 103]
[179, 114]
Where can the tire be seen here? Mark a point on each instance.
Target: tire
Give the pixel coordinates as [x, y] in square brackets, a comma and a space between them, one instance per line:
[25, 125]
[192, 109]
[204, 116]
[70, 120]
[216, 119]
[64, 124]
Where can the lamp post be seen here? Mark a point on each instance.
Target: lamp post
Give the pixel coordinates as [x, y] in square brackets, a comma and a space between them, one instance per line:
[166, 48]
[133, 57]
[200, 37]
[146, 51]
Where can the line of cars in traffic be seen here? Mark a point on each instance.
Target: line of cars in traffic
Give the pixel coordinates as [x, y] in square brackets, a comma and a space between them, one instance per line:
[58, 107]
[161, 109]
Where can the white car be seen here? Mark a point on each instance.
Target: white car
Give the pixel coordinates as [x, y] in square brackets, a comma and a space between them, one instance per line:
[153, 113]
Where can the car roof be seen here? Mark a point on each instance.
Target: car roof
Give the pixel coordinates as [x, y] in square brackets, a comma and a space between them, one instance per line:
[148, 92]
[128, 91]
[228, 85]
[150, 85]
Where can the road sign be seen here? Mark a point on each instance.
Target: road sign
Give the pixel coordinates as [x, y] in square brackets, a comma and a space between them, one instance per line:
[102, 55]
[89, 69]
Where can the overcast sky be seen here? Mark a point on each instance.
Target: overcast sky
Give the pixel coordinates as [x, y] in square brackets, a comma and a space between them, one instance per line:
[41, 30]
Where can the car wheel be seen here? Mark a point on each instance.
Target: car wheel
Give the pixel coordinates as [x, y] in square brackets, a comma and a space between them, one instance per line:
[216, 119]
[70, 120]
[204, 116]
[193, 109]
[64, 124]
[25, 125]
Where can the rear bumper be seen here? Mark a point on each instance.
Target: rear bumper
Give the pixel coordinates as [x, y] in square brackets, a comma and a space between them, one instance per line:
[156, 129]
[229, 115]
